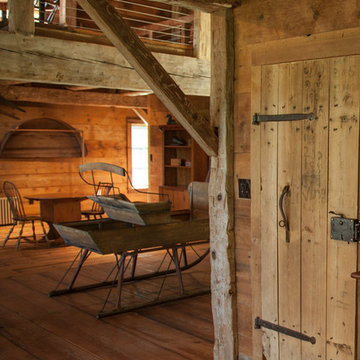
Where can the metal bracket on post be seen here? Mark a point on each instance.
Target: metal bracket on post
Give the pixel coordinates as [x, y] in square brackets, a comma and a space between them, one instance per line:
[259, 323]
[257, 118]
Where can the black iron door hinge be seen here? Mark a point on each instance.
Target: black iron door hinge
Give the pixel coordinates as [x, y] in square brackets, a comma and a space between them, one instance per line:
[259, 323]
[257, 118]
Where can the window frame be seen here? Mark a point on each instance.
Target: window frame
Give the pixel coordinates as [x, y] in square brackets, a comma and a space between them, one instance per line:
[130, 121]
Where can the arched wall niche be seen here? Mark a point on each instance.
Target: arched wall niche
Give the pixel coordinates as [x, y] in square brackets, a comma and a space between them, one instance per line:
[42, 138]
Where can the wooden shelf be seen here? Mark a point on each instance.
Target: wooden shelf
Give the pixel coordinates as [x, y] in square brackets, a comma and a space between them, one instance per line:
[42, 138]
[176, 179]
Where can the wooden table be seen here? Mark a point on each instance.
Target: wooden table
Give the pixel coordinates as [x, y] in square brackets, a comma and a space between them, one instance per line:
[58, 208]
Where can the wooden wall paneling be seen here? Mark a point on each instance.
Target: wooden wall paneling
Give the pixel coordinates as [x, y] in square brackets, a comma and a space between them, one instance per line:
[255, 212]
[289, 174]
[269, 208]
[343, 198]
[317, 46]
[243, 283]
[221, 190]
[104, 133]
[242, 123]
[314, 207]
[266, 20]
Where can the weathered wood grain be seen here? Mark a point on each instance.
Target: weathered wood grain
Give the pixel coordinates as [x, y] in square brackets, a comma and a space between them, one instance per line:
[266, 20]
[314, 206]
[255, 212]
[83, 64]
[68, 97]
[21, 17]
[150, 70]
[289, 174]
[323, 45]
[343, 198]
[107, 241]
[268, 210]
[221, 191]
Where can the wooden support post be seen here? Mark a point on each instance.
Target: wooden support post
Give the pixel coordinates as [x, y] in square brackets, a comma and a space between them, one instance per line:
[62, 13]
[202, 35]
[221, 189]
[67, 13]
[21, 17]
[146, 65]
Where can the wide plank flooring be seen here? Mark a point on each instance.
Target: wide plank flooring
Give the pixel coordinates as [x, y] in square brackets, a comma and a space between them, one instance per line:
[34, 326]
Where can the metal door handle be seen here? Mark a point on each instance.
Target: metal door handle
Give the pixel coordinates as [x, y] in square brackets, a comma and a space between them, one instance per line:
[284, 222]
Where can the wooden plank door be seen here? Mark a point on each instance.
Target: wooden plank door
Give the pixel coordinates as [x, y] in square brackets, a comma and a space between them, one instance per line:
[305, 282]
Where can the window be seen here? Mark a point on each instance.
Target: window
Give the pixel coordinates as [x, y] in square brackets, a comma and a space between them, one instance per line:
[138, 154]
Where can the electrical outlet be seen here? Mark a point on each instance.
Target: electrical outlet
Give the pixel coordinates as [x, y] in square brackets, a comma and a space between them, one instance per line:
[244, 188]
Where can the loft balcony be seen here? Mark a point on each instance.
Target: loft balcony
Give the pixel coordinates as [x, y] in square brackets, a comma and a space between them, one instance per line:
[162, 27]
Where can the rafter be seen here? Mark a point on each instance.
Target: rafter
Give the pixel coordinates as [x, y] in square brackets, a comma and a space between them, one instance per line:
[151, 71]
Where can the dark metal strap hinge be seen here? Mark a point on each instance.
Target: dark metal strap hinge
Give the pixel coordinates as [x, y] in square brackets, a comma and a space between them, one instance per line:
[257, 118]
[283, 330]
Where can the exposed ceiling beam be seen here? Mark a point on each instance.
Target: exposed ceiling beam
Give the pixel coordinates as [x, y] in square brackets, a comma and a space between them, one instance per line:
[68, 97]
[203, 5]
[151, 71]
[54, 61]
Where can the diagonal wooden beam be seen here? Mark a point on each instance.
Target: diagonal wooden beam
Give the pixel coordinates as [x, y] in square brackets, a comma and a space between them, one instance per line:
[151, 71]
[143, 115]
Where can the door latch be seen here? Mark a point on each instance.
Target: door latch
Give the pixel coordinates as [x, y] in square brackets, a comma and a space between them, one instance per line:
[344, 229]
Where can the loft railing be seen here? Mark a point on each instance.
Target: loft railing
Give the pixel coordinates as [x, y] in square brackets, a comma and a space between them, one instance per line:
[151, 21]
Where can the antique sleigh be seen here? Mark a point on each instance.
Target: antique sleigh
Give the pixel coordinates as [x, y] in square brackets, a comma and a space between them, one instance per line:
[134, 228]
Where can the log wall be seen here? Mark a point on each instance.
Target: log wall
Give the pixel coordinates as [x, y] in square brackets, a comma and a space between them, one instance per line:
[269, 32]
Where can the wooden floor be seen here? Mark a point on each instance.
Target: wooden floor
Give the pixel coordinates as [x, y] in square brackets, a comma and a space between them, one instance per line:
[34, 326]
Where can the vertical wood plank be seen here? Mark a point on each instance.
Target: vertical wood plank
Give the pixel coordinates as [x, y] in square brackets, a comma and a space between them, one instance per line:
[21, 16]
[289, 173]
[314, 207]
[221, 190]
[343, 198]
[255, 211]
[269, 253]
